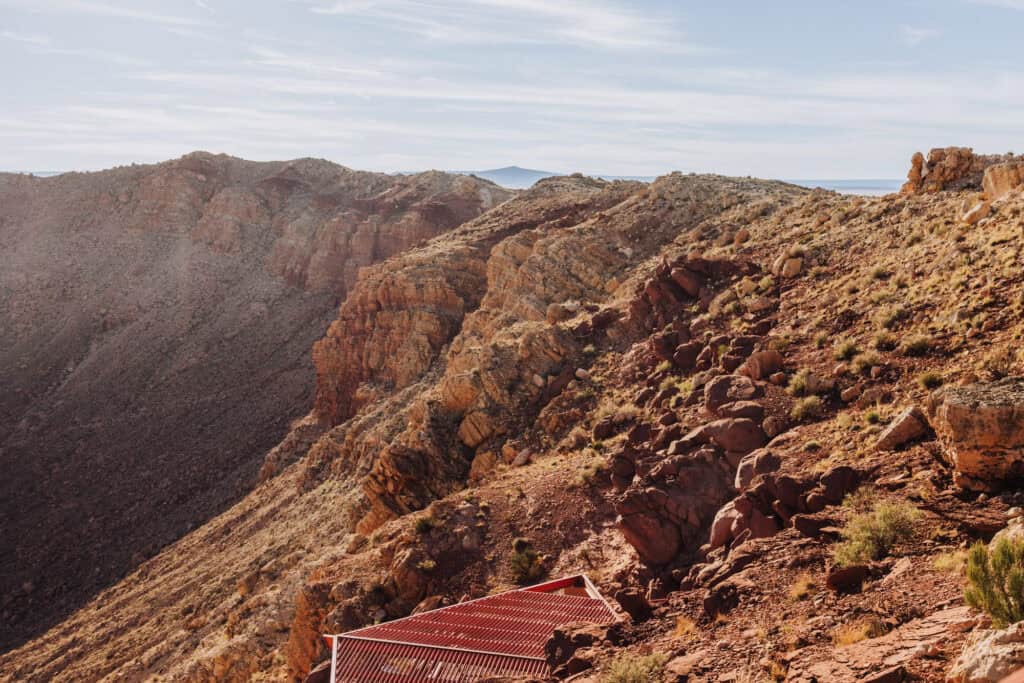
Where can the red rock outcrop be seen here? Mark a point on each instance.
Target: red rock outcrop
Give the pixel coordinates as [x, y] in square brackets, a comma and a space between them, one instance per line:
[948, 168]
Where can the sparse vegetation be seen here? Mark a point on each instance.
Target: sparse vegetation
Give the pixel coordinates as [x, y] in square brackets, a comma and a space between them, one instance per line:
[845, 350]
[798, 382]
[930, 380]
[885, 341]
[999, 363]
[802, 587]
[863, 362]
[685, 627]
[995, 580]
[525, 563]
[916, 346]
[951, 562]
[426, 565]
[807, 408]
[629, 668]
[424, 525]
[848, 634]
[889, 317]
[872, 535]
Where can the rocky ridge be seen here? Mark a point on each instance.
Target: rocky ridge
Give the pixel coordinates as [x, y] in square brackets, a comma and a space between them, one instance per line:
[687, 390]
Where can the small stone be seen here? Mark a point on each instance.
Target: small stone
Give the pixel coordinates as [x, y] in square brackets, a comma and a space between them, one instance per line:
[850, 394]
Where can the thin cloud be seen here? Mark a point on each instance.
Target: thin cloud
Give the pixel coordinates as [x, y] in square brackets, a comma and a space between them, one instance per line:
[28, 38]
[569, 22]
[912, 36]
[1006, 4]
[101, 9]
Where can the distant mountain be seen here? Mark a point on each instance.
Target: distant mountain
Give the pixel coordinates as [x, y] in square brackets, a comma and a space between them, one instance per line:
[520, 178]
[512, 176]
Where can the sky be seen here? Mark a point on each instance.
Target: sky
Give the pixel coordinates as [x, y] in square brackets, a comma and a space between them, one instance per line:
[783, 89]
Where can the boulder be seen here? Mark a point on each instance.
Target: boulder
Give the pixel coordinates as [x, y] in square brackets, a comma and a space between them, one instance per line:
[761, 461]
[722, 527]
[979, 211]
[1000, 179]
[907, 426]
[761, 364]
[321, 673]
[749, 409]
[567, 639]
[634, 603]
[735, 434]
[685, 355]
[689, 281]
[655, 538]
[847, 579]
[989, 656]
[981, 429]
[482, 465]
[729, 389]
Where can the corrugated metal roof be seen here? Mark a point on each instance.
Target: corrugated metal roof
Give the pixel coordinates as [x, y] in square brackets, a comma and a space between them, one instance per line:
[501, 634]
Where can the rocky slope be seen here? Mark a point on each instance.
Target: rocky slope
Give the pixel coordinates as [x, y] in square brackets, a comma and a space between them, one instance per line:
[155, 327]
[693, 391]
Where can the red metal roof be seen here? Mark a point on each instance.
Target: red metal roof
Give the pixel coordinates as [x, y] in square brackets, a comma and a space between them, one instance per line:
[501, 634]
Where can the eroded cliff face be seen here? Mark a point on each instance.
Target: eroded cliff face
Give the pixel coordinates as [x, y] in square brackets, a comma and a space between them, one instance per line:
[155, 327]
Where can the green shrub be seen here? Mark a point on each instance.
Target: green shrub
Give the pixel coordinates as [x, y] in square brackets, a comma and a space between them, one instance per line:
[807, 408]
[635, 669]
[798, 382]
[930, 380]
[995, 581]
[845, 350]
[872, 535]
[424, 525]
[525, 563]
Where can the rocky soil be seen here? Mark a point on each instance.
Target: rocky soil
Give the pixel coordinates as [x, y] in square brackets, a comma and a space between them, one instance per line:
[691, 390]
[155, 334]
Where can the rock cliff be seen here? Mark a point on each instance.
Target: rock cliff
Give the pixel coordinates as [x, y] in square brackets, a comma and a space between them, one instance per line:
[155, 326]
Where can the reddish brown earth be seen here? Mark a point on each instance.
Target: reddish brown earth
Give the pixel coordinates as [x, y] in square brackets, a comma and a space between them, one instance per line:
[613, 372]
[155, 328]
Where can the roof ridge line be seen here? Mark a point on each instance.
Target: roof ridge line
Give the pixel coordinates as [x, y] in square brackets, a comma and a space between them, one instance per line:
[437, 647]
